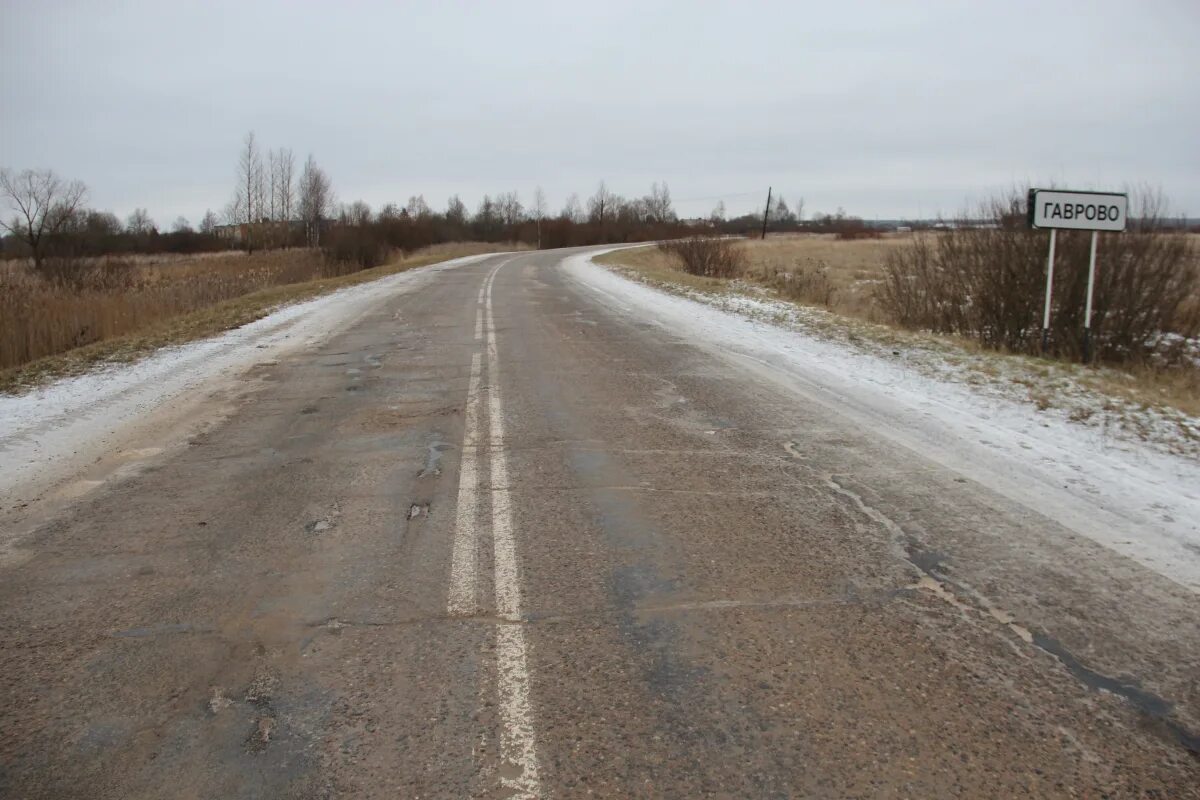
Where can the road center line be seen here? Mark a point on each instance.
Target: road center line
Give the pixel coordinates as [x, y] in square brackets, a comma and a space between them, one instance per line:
[463, 594]
[517, 746]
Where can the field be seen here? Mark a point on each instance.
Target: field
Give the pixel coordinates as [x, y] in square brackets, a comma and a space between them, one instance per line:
[117, 309]
[814, 269]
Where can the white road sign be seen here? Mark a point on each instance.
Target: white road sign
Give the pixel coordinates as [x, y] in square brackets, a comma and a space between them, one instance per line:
[1081, 211]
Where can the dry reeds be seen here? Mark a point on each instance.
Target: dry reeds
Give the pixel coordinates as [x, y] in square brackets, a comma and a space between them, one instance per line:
[75, 302]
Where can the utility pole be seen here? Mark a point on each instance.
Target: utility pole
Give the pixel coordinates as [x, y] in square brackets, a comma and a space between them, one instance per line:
[766, 212]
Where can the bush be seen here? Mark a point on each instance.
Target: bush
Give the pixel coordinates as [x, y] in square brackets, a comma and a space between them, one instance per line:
[349, 249]
[707, 256]
[988, 283]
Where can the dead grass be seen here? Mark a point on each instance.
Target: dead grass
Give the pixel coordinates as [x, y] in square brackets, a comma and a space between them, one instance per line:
[853, 269]
[813, 269]
[656, 265]
[176, 302]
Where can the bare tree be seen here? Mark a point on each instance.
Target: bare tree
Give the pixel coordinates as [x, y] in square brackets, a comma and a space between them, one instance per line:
[208, 225]
[315, 200]
[600, 205]
[539, 211]
[358, 213]
[780, 213]
[285, 167]
[456, 212]
[234, 212]
[718, 214]
[658, 203]
[509, 205]
[388, 213]
[250, 183]
[486, 218]
[800, 210]
[272, 175]
[139, 223]
[43, 205]
[572, 210]
[181, 225]
[417, 208]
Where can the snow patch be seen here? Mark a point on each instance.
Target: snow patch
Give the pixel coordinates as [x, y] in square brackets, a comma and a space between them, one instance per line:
[75, 420]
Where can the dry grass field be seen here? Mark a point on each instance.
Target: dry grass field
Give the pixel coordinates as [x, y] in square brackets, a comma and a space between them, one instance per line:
[108, 309]
[813, 269]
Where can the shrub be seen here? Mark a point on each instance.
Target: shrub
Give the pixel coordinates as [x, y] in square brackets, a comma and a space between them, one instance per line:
[349, 249]
[708, 256]
[988, 283]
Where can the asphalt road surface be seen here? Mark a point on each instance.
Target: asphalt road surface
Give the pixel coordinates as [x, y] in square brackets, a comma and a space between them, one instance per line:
[502, 537]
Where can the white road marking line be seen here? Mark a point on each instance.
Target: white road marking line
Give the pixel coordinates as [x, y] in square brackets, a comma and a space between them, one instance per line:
[479, 324]
[517, 746]
[463, 596]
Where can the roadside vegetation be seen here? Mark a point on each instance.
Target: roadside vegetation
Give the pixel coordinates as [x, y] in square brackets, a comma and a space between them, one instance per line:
[79, 285]
[965, 304]
[161, 301]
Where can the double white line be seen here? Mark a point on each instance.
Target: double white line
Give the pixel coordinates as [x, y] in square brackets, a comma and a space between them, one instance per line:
[519, 774]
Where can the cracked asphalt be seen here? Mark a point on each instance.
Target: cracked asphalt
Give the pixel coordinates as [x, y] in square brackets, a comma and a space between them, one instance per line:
[719, 590]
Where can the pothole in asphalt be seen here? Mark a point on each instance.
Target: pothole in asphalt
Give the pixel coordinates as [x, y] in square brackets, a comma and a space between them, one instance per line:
[418, 510]
[325, 523]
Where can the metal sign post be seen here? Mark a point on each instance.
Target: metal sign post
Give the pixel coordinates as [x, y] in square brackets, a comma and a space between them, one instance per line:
[1049, 291]
[1080, 211]
[1087, 313]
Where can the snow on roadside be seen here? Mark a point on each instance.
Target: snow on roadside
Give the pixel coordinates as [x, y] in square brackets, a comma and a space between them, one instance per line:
[1125, 494]
[74, 419]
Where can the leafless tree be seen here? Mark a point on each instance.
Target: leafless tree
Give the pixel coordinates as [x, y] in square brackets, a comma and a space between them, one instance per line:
[572, 211]
[139, 222]
[208, 225]
[358, 214]
[284, 193]
[799, 210]
[234, 212]
[181, 225]
[658, 203]
[539, 211]
[43, 205]
[486, 220]
[417, 208]
[780, 213]
[718, 214]
[250, 182]
[315, 200]
[456, 211]
[272, 171]
[388, 213]
[600, 205]
[509, 206]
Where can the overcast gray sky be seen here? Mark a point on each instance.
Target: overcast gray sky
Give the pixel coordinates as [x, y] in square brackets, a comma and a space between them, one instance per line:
[886, 109]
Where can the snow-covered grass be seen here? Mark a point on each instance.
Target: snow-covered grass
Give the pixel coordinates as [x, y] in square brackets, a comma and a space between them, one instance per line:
[1080, 460]
[1110, 403]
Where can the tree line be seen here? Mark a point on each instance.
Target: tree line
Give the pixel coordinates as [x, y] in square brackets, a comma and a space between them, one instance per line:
[273, 205]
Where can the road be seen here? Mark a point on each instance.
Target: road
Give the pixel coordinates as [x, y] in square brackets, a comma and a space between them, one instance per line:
[502, 536]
